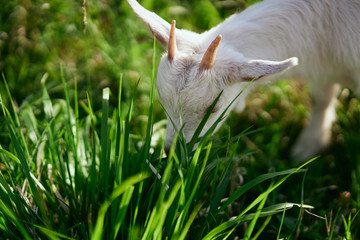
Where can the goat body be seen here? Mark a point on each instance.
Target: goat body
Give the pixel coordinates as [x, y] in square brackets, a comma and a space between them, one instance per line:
[323, 35]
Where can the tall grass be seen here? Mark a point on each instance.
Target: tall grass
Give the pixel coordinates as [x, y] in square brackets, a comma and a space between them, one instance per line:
[66, 177]
[82, 165]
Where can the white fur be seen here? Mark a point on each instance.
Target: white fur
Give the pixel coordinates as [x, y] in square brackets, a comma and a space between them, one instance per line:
[324, 35]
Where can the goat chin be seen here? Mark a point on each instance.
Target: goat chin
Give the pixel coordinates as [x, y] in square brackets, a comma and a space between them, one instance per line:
[321, 38]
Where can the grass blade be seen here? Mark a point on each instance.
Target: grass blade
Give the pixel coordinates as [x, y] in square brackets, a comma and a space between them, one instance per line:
[10, 215]
[123, 207]
[129, 183]
[17, 121]
[246, 187]
[36, 194]
[222, 227]
[251, 227]
[105, 155]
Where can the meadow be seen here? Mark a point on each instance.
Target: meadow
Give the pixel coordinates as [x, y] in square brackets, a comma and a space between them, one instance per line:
[82, 134]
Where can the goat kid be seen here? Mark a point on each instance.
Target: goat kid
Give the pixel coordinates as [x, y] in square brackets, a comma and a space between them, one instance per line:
[324, 35]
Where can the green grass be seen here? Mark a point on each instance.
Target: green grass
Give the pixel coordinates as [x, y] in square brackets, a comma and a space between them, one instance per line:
[83, 178]
[74, 163]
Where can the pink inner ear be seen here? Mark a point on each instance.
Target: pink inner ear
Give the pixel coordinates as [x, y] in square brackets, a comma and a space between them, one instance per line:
[158, 37]
[158, 26]
[161, 40]
[249, 79]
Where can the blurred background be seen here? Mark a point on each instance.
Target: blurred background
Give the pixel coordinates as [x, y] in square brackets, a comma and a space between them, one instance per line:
[39, 37]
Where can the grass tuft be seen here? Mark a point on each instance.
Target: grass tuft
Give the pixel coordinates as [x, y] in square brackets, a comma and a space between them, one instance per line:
[78, 156]
[90, 179]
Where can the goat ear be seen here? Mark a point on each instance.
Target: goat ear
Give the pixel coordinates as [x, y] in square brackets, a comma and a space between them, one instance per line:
[256, 69]
[158, 26]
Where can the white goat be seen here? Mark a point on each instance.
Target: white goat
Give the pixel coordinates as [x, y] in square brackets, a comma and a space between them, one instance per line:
[323, 34]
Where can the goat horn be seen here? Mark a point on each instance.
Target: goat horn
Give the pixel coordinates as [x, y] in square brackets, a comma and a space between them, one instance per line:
[172, 42]
[208, 59]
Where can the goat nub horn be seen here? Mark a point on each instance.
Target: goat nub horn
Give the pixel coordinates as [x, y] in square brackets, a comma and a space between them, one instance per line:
[208, 59]
[172, 42]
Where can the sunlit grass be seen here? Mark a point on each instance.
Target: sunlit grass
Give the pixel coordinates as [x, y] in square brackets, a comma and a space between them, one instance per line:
[71, 177]
[74, 162]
